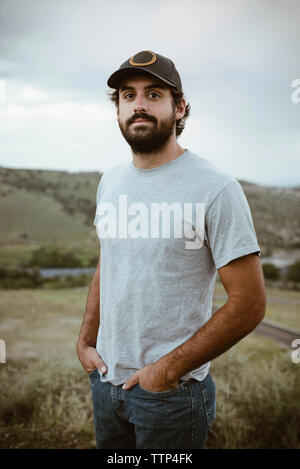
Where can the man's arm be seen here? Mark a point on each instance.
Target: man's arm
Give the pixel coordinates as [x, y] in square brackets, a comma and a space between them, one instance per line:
[86, 345]
[245, 307]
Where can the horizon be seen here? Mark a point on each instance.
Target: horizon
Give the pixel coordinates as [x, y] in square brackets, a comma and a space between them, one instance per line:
[91, 171]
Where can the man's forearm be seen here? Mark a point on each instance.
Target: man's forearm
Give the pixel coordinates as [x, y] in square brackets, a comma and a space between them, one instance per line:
[226, 327]
[91, 320]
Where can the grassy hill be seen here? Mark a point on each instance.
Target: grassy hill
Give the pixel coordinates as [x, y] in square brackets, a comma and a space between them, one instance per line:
[275, 214]
[40, 207]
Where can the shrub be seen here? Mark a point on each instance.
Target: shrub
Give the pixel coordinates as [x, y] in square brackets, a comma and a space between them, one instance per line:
[93, 261]
[271, 271]
[294, 272]
[20, 278]
[51, 256]
[68, 281]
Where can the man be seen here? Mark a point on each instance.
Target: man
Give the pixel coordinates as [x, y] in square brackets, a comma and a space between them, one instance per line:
[166, 221]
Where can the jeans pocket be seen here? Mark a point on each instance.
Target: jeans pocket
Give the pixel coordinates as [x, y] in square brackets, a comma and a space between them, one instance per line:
[168, 392]
[208, 390]
[93, 373]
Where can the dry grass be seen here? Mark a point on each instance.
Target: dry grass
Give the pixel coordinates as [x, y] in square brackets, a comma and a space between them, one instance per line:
[46, 397]
[258, 397]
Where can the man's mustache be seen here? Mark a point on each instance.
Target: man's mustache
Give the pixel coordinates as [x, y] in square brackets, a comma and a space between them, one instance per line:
[140, 116]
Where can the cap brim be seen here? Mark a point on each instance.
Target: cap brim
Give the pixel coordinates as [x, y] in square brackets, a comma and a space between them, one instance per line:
[116, 78]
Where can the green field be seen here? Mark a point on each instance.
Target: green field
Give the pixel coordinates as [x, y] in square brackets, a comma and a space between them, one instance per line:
[283, 306]
[41, 207]
[46, 397]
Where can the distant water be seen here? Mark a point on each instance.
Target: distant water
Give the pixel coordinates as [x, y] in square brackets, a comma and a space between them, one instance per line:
[279, 262]
[52, 272]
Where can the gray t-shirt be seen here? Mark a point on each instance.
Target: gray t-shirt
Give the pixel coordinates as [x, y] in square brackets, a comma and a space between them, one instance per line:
[164, 232]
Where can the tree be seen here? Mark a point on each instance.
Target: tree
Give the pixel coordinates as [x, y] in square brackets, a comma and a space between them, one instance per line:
[270, 271]
[52, 256]
[293, 273]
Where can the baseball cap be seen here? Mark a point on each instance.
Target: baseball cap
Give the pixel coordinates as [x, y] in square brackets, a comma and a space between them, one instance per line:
[150, 63]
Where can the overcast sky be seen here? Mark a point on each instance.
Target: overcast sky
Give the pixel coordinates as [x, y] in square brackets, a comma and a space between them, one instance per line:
[237, 60]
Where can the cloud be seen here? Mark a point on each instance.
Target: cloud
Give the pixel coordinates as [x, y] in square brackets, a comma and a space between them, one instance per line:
[237, 60]
[32, 94]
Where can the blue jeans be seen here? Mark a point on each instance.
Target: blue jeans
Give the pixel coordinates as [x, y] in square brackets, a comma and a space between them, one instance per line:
[138, 418]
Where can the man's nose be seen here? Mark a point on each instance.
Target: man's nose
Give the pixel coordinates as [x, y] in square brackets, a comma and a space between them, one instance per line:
[140, 104]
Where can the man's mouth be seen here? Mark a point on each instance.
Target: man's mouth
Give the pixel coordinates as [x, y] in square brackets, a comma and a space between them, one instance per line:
[140, 121]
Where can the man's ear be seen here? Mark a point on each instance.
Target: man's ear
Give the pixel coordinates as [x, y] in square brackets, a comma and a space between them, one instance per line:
[180, 109]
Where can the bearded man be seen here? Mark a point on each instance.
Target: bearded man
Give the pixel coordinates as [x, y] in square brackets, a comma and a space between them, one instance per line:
[148, 334]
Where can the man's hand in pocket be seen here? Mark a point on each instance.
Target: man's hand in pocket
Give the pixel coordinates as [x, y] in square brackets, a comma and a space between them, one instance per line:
[90, 359]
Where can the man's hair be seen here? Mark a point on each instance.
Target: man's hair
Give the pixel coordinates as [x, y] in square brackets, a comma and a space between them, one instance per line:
[177, 96]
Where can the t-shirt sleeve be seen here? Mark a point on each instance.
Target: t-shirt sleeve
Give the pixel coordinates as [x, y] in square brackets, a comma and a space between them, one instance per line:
[229, 226]
[97, 202]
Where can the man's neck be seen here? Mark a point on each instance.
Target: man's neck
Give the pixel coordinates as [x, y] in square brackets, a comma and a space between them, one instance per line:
[151, 160]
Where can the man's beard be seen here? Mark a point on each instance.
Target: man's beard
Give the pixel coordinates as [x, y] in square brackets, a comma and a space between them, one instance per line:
[147, 138]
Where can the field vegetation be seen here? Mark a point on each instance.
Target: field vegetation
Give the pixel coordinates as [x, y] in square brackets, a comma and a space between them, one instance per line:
[46, 396]
[57, 208]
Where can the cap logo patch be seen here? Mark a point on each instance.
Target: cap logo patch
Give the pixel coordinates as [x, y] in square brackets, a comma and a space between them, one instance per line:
[146, 57]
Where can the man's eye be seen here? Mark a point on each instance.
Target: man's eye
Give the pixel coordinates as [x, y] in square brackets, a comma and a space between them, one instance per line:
[128, 95]
[153, 95]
